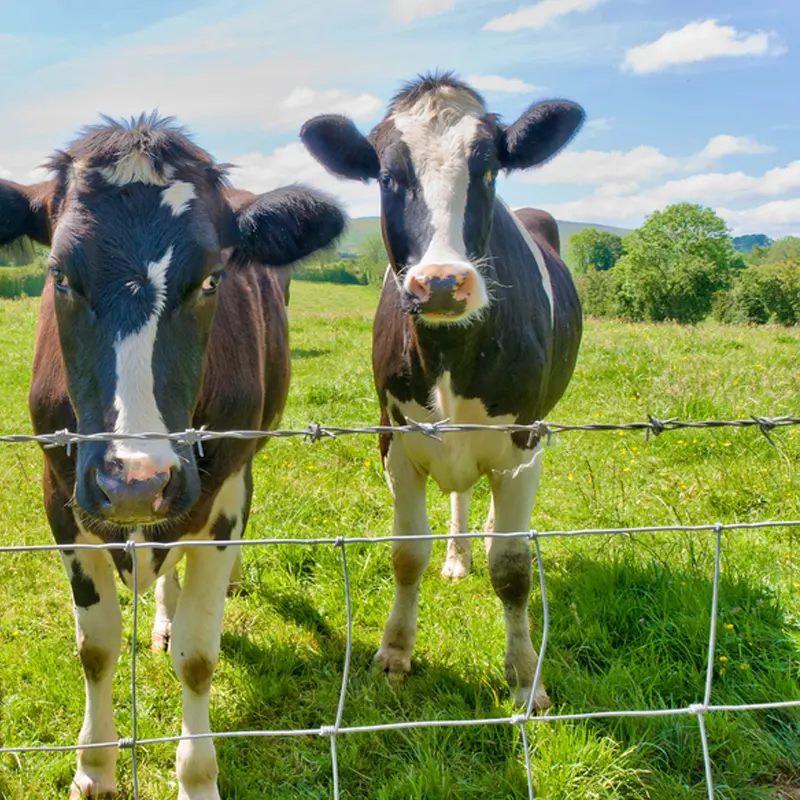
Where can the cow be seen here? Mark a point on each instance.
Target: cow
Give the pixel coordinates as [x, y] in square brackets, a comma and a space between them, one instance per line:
[159, 314]
[478, 322]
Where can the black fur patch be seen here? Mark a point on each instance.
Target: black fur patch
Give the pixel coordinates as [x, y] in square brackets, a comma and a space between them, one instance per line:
[83, 589]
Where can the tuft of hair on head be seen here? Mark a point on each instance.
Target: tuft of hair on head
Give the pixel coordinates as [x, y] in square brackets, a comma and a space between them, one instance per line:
[148, 149]
[433, 83]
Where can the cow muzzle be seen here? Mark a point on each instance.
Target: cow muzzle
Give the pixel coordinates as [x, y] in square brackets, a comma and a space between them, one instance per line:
[136, 494]
[444, 292]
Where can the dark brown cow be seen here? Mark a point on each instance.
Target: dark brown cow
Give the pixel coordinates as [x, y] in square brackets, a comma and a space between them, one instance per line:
[159, 314]
[478, 322]
[540, 225]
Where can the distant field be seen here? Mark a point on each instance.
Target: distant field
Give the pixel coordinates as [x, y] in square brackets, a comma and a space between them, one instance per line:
[361, 227]
[629, 615]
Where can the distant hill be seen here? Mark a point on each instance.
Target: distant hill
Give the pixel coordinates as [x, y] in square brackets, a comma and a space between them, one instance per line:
[744, 244]
[361, 227]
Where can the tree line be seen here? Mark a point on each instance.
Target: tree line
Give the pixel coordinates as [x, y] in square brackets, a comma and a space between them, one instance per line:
[682, 265]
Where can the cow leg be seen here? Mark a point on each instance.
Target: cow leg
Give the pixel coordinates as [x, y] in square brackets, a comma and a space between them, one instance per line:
[459, 551]
[410, 558]
[98, 629]
[513, 496]
[195, 648]
[168, 592]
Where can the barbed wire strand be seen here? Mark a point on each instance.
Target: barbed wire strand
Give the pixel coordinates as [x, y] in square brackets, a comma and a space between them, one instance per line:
[316, 432]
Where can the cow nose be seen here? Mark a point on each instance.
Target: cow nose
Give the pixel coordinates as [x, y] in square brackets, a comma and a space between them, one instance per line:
[134, 497]
[442, 288]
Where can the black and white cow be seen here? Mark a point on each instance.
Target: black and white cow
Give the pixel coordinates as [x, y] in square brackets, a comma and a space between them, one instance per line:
[159, 314]
[478, 322]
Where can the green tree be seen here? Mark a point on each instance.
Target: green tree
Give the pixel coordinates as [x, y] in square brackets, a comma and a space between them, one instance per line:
[372, 258]
[593, 248]
[786, 249]
[674, 264]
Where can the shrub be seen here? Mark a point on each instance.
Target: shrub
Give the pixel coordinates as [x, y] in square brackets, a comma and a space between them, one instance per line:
[673, 266]
[596, 293]
[769, 293]
[18, 281]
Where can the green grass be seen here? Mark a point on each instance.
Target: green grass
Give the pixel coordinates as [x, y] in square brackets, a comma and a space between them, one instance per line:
[629, 615]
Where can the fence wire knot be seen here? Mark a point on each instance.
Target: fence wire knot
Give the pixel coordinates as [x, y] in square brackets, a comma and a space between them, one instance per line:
[430, 429]
[62, 438]
[126, 743]
[327, 730]
[338, 541]
[698, 708]
[765, 425]
[130, 545]
[193, 437]
[315, 432]
[519, 719]
[656, 427]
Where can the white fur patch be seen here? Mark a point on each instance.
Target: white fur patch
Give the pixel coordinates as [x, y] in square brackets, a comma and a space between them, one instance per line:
[440, 133]
[135, 167]
[134, 399]
[538, 255]
[460, 459]
[178, 196]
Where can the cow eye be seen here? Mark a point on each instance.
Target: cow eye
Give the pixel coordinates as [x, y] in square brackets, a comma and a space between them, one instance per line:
[211, 283]
[60, 279]
[387, 181]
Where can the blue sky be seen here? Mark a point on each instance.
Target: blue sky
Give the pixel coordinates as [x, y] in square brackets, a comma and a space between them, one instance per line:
[690, 100]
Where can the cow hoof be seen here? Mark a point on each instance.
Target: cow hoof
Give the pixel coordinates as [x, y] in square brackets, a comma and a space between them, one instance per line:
[455, 568]
[541, 700]
[395, 662]
[84, 787]
[159, 642]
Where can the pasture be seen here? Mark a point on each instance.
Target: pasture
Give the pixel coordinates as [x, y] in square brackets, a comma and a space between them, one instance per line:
[629, 614]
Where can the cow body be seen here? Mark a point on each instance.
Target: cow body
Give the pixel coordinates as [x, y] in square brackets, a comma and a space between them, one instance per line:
[139, 332]
[478, 323]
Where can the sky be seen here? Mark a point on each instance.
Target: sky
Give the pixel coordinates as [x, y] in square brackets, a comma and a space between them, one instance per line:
[686, 100]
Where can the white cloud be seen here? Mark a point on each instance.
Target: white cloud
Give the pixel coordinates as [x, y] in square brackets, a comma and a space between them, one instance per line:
[409, 10]
[308, 102]
[777, 219]
[699, 41]
[623, 204]
[5, 173]
[292, 163]
[602, 166]
[497, 83]
[641, 163]
[726, 145]
[539, 15]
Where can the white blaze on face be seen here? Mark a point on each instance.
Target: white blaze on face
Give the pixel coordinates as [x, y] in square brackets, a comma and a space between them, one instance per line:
[134, 399]
[440, 133]
[177, 196]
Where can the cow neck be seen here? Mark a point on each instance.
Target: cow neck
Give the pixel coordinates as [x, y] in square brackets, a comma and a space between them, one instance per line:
[448, 348]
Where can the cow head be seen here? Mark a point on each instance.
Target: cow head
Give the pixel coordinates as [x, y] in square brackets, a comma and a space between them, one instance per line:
[142, 228]
[436, 156]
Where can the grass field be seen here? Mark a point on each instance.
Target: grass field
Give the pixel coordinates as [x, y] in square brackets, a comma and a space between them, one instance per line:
[629, 614]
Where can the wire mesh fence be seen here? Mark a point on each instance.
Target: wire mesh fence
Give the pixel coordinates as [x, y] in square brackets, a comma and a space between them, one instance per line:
[700, 709]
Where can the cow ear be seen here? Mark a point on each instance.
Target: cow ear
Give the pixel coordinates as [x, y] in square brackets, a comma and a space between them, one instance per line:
[340, 147]
[23, 212]
[286, 225]
[539, 134]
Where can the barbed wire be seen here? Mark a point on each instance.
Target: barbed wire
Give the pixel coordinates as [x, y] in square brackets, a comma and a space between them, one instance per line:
[315, 432]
